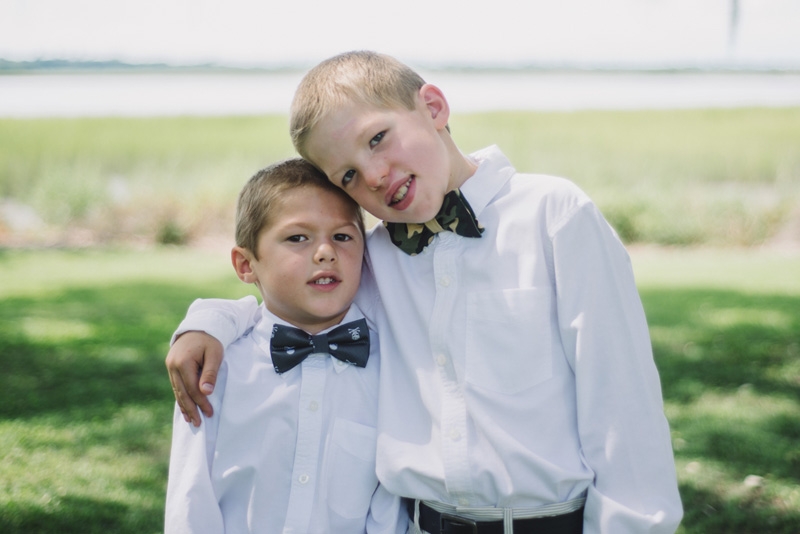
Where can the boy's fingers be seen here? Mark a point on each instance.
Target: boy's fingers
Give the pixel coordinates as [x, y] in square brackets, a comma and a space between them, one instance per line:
[208, 378]
[186, 358]
[192, 353]
[186, 405]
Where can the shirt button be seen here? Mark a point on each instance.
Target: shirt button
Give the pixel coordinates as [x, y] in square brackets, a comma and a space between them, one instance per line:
[455, 435]
[444, 281]
[463, 502]
[441, 360]
[313, 406]
[303, 479]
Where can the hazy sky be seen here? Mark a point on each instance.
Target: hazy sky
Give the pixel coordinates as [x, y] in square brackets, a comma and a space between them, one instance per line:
[430, 31]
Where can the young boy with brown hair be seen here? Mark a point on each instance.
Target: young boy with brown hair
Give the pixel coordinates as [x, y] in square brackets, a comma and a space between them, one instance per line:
[291, 445]
[518, 389]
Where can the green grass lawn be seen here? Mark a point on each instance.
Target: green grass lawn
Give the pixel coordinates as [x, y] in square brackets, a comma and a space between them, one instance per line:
[86, 412]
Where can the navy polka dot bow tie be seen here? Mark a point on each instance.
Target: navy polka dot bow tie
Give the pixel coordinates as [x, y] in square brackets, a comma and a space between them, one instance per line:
[455, 215]
[348, 342]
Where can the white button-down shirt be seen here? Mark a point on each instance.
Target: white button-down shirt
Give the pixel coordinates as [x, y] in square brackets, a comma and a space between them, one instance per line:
[291, 452]
[517, 368]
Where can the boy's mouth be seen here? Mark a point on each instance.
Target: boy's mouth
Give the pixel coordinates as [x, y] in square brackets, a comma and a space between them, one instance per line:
[324, 281]
[401, 192]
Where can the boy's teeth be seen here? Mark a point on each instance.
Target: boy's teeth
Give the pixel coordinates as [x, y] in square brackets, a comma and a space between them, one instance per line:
[327, 280]
[401, 192]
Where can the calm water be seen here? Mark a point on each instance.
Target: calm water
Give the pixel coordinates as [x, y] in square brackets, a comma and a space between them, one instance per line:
[65, 95]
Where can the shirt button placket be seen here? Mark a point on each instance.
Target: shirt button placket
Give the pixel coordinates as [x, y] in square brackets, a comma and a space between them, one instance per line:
[453, 415]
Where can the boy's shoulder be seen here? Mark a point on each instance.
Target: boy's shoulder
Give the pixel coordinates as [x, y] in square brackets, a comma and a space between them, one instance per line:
[497, 180]
[547, 186]
[542, 199]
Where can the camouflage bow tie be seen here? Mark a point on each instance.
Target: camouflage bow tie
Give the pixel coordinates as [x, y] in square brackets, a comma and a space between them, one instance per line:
[455, 215]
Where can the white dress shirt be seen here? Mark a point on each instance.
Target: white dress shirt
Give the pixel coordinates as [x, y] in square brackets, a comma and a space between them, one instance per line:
[283, 453]
[517, 368]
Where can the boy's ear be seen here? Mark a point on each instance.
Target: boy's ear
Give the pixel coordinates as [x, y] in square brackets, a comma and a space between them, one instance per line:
[436, 104]
[241, 258]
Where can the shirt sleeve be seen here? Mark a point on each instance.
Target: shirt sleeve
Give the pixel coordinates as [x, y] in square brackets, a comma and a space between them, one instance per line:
[624, 433]
[192, 506]
[387, 513]
[226, 320]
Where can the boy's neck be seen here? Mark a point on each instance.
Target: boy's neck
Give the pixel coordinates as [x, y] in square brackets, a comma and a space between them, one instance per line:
[312, 328]
[463, 167]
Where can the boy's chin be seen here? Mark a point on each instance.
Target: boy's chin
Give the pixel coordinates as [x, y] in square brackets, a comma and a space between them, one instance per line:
[411, 218]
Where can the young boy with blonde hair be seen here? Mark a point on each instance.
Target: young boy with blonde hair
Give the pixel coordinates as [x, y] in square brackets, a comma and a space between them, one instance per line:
[518, 389]
[291, 445]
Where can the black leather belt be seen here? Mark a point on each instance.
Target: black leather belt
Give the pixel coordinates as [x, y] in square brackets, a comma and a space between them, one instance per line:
[440, 523]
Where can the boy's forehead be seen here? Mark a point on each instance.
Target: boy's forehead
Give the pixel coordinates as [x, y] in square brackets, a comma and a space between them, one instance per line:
[294, 206]
[349, 114]
[348, 123]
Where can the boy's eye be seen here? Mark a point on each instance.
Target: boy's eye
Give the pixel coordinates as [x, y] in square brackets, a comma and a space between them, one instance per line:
[348, 176]
[296, 238]
[377, 139]
[342, 237]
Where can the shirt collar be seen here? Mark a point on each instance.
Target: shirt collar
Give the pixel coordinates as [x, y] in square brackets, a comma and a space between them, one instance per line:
[494, 171]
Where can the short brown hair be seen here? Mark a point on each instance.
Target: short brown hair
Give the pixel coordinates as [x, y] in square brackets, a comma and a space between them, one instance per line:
[361, 76]
[260, 197]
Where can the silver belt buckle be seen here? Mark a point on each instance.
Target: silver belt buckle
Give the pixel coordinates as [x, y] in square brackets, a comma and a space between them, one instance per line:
[456, 520]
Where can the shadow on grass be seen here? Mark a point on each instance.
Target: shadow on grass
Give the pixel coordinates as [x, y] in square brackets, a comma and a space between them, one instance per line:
[730, 369]
[91, 361]
[88, 408]
[724, 339]
[75, 515]
[87, 351]
[749, 515]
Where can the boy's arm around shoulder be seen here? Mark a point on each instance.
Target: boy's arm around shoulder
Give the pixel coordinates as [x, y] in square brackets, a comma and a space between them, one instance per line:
[223, 319]
[624, 433]
[196, 349]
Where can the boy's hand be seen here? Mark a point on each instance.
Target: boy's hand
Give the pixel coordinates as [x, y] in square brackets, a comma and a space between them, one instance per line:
[192, 353]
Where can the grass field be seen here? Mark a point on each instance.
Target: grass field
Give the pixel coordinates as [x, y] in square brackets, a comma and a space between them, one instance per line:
[85, 421]
[720, 177]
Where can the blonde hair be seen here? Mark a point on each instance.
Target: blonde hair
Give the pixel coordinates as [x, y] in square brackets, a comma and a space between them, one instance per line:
[261, 197]
[362, 77]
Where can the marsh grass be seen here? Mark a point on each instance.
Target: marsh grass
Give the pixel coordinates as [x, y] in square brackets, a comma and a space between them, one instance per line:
[86, 412]
[669, 176]
[722, 177]
[121, 179]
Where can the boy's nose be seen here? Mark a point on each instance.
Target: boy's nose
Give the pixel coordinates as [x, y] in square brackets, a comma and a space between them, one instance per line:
[325, 253]
[376, 175]
[375, 181]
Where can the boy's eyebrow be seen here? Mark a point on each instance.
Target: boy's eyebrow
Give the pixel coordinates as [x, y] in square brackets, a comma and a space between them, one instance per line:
[330, 175]
[308, 224]
[348, 223]
[364, 129]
